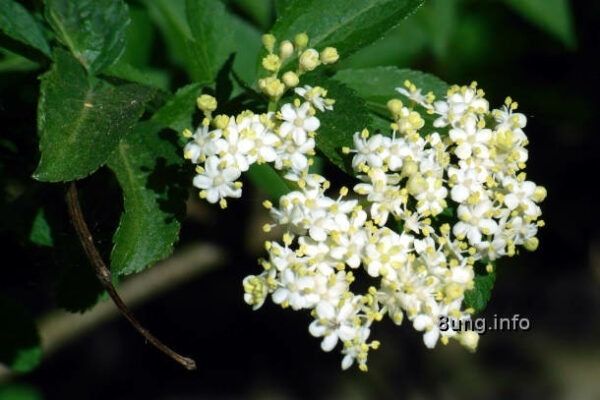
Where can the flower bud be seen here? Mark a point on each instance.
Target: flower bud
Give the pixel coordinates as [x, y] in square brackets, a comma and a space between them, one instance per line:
[286, 49]
[409, 168]
[469, 339]
[221, 121]
[271, 63]
[531, 244]
[395, 107]
[268, 41]
[290, 79]
[301, 40]
[206, 103]
[539, 194]
[329, 55]
[309, 60]
[273, 87]
[416, 184]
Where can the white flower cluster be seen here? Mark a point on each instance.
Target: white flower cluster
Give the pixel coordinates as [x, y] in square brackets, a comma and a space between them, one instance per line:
[285, 138]
[226, 146]
[434, 199]
[411, 181]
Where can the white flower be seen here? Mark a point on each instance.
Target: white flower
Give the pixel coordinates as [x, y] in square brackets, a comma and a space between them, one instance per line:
[297, 290]
[201, 145]
[315, 96]
[370, 151]
[334, 323]
[256, 290]
[233, 147]
[520, 195]
[475, 221]
[433, 198]
[415, 96]
[471, 140]
[265, 144]
[217, 181]
[387, 253]
[466, 182]
[460, 101]
[297, 122]
[293, 155]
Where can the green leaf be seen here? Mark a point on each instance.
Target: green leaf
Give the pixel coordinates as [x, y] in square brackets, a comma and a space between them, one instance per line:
[377, 85]
[281, 6]
[169, 16]
[18, 24]
[268, 179]
[152, 77]
[248, 40]
[212, 41]
[258, 10]
[140, 38]
[94, 30]
[349, 115]
[20, 347]
[15, 62]
[438, 17]
[80, 122]
[393, 48]
[346, 25]
[41, 234]
[177, 113]
[148, 167]
[478, 297]
[552, 16]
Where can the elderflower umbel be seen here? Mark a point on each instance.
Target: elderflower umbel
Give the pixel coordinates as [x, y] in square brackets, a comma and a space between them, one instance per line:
[428, 207]
[468, 165]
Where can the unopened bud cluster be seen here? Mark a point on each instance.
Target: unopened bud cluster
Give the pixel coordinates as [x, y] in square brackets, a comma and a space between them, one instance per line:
[276, 84]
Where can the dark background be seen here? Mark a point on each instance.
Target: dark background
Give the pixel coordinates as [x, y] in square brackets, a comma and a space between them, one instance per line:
[269, 353]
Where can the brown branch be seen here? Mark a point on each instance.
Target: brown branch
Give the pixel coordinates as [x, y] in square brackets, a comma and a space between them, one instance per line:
[105, 277]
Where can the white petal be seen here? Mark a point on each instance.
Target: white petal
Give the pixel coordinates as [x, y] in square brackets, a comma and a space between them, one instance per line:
[316, 329]
[299, 136]
[212, 195]
[202, 182]
[280, 295]
[317, 233]
[346, 333]
[312, 124]
[430, 338]
[347, 361]
[511, 201]
[463, 151]
[329, 342]
[353, 261]
[421, 322]
[489, 224]
[325, 310]
[459, 193]
[288, 113]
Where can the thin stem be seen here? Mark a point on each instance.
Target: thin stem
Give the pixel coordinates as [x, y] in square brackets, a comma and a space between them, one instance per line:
[105, 277]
